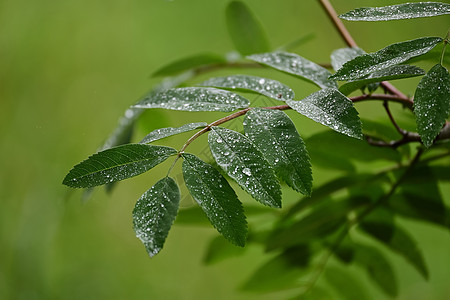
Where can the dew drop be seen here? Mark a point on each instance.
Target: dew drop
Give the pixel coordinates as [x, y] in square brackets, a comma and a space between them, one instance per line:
[247, 172]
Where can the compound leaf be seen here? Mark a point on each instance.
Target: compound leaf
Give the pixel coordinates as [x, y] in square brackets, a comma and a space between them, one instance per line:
[244, 29]
[216, 197]
[188, 63]
[154, 214]
[294, 64]
[274, 134]
[390, 73]
[391, 55]
[332, 109]
[116, 164]
[169, 131]
[194, 99]
[268, 87]
[397, 12]
[243, 162]
[432, 103]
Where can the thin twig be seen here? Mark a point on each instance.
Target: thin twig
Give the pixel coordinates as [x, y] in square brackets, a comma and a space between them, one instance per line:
[391, 117]
[384, 97]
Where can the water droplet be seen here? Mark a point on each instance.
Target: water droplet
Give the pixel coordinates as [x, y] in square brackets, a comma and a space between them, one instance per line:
[247, 172]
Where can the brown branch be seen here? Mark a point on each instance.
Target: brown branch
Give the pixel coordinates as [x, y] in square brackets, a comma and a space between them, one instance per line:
[391, 117]
[347, 37]
[392, 98]
[224, 120]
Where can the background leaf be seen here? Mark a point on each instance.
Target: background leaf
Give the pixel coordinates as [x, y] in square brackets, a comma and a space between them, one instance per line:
[390, 73]
[294, 64]
[154, 214]
[332, 109]
[325, 219]
[419, 197]
[340, 56]
[432, 103]
[220, 249]
[188, 63]
[274, 134]
[243, 162]
[169, 131]
[194, 99]
[391, 55]
[284, 271]
[397, 239]
[378, 268]
[216, 197]
[245, 31]
[344, 284]
[268, 87]
[320, 143]
[116, 164]
[397, 12]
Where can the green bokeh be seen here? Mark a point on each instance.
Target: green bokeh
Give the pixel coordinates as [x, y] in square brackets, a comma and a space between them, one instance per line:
[68, 70]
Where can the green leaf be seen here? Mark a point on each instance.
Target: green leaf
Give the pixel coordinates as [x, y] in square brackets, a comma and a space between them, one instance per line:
[432, 103]
[154, 214]
[344, 284]
[391, 55]
[419, 196]
[243, 162]
[326, 190]
[398, 240]
[284, 271]
[390, 73]
[216, 197]
[294, 64]
[188, 63]
[332, 109]
[169, 131]
[245, 31]
[322, 221]
[194, 216]
[123, 132]
[340, 56]
[320, 143]
[378, 268]
[220, 249]
[274, 134]
[268, 87]
[116, 164]
[397, 12]
[194, 99]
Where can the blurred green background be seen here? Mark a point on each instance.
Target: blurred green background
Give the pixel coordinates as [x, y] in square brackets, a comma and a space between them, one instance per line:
[68, 70]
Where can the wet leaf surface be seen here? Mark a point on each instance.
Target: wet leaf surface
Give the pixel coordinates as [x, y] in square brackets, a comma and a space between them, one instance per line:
[264, 86]
[154, 214]
[194, 99]
[398, 12]
[332, 109]
[215, 196]
[116, 164]
[294, 64]
[243, 162]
